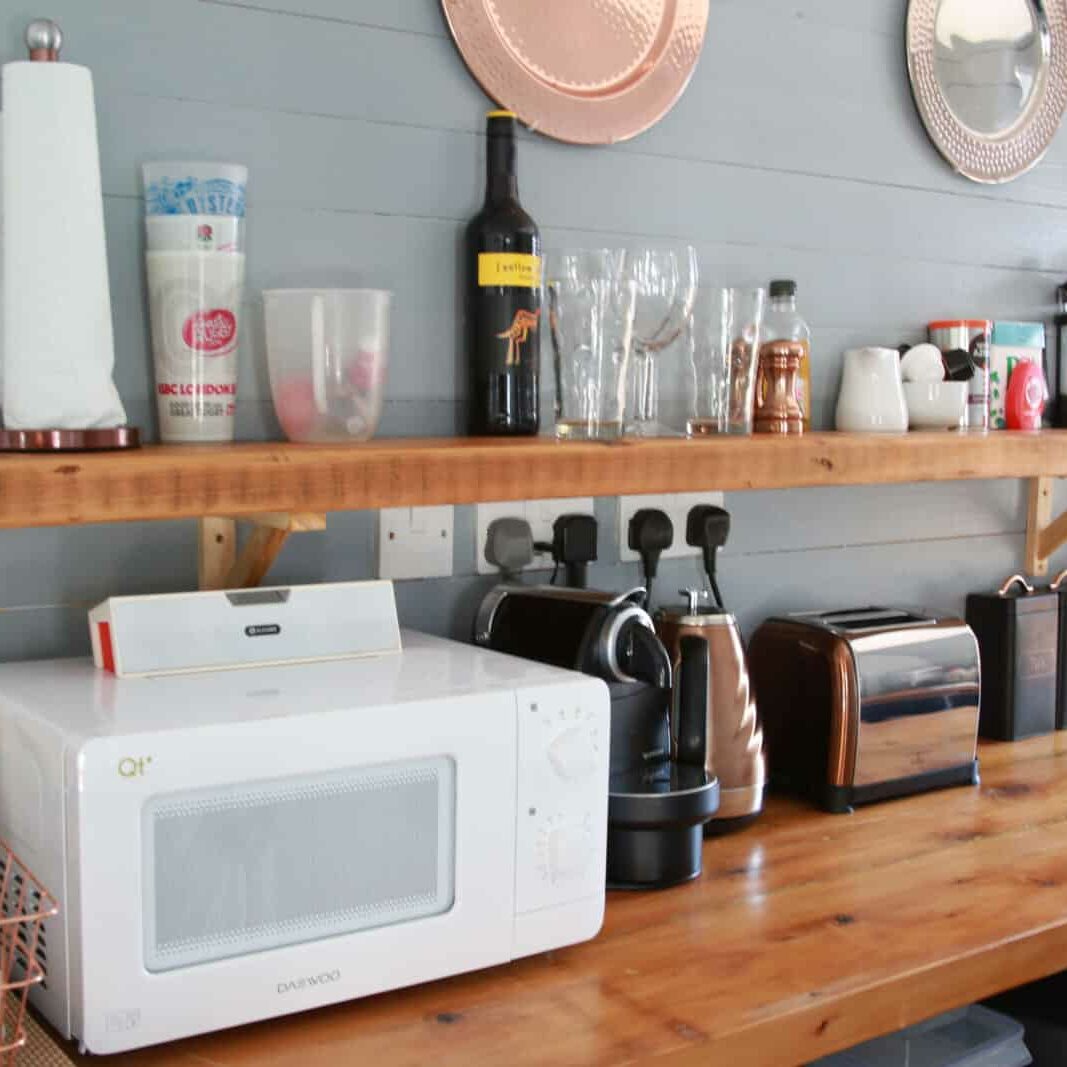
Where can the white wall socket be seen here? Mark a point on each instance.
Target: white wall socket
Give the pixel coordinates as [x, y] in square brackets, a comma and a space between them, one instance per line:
[676, 505]
[540, 514]
[415, 542]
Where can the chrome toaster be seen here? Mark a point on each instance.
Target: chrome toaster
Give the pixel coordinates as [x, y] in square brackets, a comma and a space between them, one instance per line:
[867, 704]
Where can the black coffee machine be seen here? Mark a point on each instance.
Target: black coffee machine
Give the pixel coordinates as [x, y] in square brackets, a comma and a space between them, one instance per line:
[659, 794]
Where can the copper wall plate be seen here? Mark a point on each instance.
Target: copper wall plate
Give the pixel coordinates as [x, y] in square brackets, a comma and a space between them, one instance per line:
[584, 71]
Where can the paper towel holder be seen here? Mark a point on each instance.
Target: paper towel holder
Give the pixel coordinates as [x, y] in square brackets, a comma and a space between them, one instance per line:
[44, 39]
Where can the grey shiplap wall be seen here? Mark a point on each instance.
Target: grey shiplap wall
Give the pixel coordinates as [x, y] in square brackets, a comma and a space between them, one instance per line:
[795, 150]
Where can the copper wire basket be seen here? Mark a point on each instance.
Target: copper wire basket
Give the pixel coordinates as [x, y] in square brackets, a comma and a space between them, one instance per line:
[24, 905]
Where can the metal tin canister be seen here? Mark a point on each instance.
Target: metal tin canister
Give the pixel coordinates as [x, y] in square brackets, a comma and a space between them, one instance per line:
[972, 336]
[1018, 637]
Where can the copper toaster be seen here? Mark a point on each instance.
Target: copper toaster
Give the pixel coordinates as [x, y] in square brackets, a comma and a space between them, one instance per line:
[867, 704]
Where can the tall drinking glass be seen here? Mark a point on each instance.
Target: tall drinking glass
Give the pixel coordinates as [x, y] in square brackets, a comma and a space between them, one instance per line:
[591, 311]
[708, 338]
[725, 354]
[665, 280]
[746, 322]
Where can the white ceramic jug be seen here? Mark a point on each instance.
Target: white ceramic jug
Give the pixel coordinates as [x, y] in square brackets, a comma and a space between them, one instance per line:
[871, 399]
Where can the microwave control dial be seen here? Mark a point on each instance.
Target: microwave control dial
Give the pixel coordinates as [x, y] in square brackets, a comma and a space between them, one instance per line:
[566, 850]
[573, 753]
[569, 850]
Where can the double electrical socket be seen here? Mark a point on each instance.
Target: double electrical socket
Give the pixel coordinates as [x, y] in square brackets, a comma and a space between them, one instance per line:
[676, 506]
[540, 514]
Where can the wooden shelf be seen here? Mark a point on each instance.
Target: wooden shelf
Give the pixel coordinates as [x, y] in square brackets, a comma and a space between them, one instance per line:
[805, 934]
[172, 482]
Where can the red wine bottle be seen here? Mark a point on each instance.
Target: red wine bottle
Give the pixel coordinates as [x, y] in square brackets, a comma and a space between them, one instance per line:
[503, 297]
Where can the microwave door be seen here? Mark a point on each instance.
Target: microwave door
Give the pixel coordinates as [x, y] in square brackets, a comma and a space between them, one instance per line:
[376, 847]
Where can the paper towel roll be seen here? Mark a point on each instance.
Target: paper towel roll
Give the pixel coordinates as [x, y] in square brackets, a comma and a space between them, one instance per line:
[58, 348]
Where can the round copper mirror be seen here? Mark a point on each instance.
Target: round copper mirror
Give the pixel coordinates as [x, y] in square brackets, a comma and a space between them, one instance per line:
[989, 78]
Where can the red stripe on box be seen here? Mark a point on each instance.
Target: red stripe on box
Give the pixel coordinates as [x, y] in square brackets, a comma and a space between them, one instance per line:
[107, 653]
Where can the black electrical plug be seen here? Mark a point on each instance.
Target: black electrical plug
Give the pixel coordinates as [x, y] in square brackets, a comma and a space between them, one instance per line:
[650, 534]
[574, 540]
[708, 528]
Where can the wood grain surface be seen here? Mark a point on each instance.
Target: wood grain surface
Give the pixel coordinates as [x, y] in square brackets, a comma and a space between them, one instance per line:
[805, 934]
[182, 481]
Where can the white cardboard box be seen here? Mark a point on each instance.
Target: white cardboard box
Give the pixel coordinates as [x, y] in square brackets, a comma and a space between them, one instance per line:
[178, 632]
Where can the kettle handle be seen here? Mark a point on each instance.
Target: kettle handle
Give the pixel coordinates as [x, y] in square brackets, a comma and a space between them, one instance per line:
[689, 740]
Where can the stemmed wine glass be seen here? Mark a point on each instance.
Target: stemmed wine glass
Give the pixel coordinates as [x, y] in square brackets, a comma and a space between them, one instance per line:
[665, 282]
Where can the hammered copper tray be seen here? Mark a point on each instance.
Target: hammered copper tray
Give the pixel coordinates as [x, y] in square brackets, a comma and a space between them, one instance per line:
[584, 71]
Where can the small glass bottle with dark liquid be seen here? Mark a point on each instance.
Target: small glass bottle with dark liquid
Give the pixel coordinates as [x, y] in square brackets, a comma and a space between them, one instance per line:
[503, 298]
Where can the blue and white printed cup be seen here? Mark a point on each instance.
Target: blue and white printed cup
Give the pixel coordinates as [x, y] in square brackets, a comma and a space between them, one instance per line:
[195, 188]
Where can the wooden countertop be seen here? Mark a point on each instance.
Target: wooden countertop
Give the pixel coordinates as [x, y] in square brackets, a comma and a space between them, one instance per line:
[190, 481]
[806, 934]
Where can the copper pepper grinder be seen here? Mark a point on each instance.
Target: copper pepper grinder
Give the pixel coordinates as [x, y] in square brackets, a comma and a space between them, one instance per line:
[777, 410]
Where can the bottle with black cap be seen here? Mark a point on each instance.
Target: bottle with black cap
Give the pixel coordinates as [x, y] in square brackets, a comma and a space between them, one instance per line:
[782, 322]
[503, 297]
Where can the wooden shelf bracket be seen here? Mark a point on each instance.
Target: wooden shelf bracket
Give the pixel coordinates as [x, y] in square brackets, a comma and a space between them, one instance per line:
[221, 566]
[1044, 534]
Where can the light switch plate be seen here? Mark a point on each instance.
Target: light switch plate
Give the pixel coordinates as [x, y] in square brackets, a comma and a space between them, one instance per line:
[540, 514]
[677, 506]
[415, 542]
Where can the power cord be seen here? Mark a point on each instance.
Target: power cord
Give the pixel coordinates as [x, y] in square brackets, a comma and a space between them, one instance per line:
[650, 534]
[573, 547]
[708, 528]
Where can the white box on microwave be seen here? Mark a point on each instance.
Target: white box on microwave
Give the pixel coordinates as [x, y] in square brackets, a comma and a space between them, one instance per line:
[135, 636]
[230, 846]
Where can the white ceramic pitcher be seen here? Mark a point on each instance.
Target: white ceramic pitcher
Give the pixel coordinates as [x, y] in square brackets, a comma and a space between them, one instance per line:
[871, 399]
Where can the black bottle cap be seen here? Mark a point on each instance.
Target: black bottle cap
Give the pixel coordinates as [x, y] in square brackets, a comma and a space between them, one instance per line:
[783, 287]
[500, 123]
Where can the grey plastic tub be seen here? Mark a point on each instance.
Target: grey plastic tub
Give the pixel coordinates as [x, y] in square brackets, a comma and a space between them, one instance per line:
[969, 1037]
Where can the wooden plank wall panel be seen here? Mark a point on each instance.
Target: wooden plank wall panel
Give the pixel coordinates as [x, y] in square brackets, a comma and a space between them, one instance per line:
[795, 151]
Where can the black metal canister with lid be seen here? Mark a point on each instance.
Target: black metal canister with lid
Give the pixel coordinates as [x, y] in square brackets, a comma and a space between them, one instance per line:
[1019, 641]
[1059, 587]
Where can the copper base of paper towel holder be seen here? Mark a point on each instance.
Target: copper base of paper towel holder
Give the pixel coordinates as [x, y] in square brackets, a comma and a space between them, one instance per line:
[106, 440]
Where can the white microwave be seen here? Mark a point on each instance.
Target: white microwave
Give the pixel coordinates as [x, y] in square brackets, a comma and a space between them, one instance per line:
[231, 846]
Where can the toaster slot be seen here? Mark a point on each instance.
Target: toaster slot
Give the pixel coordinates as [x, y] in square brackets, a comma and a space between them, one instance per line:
[860, 619]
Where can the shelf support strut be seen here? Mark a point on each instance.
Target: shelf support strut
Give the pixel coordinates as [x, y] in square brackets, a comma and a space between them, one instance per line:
[222, 567]
[1044, 535]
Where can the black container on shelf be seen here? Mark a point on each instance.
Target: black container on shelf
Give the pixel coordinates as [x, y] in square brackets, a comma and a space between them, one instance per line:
[1056, 371]
[1059, 587]
[1018, 630]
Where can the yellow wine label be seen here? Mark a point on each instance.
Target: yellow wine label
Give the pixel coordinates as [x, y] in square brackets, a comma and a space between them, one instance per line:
[509, 268]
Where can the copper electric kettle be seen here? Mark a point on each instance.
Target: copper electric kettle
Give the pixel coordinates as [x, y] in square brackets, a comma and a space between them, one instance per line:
[734, 738]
